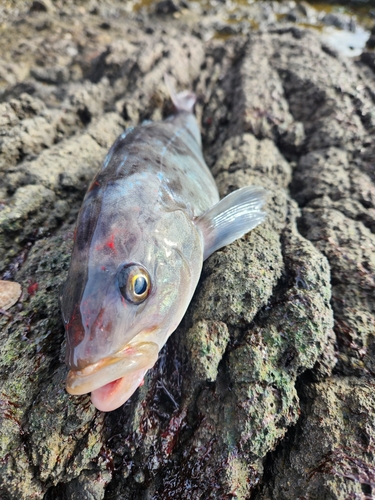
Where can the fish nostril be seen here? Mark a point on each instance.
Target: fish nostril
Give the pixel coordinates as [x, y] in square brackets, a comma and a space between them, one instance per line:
[102, 325]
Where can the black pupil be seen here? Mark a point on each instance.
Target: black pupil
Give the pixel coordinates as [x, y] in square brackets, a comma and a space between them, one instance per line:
[140, 285]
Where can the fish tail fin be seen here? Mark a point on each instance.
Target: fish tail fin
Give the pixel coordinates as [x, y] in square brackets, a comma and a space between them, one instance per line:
[183, 101]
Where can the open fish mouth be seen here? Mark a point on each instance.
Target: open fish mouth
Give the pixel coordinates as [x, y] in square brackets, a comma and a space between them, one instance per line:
[129, 363]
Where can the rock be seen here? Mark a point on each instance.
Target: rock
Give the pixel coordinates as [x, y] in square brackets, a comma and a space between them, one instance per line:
[54, 74]
[266, 387]
[17, 223]
[369, 59]
[166, 7]
[41, 6]
[340, 21]
[328, 451]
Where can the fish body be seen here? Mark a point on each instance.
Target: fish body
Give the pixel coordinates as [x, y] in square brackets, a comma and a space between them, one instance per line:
[150, 217]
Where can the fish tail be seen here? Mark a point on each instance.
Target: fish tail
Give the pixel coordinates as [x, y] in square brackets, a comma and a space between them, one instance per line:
[183, 101]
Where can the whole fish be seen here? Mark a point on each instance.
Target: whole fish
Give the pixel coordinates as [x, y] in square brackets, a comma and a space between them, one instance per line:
[149, 219]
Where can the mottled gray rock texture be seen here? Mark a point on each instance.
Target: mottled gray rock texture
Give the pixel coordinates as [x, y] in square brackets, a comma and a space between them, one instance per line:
[266, 389]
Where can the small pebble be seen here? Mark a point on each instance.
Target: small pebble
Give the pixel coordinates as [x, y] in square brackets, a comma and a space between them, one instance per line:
[10, 292]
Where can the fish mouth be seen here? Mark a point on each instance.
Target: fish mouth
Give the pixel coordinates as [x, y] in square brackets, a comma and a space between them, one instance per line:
[133, 358]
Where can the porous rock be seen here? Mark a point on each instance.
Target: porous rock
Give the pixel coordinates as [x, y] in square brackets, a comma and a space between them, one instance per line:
[265, 388]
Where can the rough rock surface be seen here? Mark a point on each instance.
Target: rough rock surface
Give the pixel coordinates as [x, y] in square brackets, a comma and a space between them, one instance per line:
[266, 389]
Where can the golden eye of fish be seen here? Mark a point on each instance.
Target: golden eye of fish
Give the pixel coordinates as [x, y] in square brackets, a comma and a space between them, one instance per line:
[134, 283]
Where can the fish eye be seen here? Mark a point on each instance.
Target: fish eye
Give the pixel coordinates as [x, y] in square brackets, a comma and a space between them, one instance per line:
[134, 283]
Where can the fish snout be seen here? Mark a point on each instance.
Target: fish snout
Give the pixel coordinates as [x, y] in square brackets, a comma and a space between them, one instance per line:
[132, 358]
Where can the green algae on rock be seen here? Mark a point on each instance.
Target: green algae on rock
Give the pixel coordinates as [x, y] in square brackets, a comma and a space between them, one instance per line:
[331, 448]
[256, 350]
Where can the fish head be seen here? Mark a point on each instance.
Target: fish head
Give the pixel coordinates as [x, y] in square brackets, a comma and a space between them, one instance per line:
[132, 275]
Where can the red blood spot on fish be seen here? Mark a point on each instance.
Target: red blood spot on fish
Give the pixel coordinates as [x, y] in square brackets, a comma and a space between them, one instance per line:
[32, 288]
[103, 268]
[111, 243]
[93, 185]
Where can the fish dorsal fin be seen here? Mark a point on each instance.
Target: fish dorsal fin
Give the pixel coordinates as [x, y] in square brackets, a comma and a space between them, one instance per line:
[183, 101]
[231, 218]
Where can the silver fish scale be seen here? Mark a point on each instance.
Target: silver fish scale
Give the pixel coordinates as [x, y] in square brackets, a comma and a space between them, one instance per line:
[171, 151]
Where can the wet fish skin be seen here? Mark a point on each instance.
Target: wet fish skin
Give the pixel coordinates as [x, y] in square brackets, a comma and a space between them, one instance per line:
[154, 204]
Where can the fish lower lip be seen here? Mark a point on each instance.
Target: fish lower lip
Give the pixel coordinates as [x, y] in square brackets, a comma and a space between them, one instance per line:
[132, 357]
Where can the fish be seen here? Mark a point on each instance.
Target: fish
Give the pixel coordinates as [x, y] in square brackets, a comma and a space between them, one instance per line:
[149, 219]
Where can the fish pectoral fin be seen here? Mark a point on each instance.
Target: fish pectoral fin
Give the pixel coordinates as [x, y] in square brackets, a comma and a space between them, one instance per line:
[231, 218]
